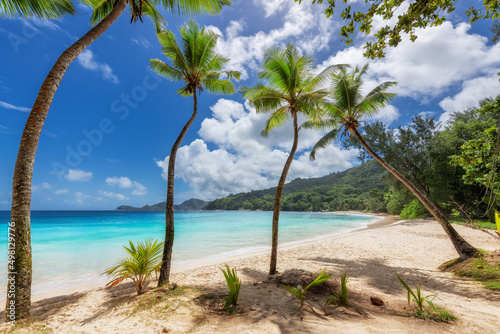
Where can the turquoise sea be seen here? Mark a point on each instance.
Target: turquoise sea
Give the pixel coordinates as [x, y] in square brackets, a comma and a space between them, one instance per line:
[72, 248]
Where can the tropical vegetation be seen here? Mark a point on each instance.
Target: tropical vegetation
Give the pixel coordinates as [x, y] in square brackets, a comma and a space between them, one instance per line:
[195, 62]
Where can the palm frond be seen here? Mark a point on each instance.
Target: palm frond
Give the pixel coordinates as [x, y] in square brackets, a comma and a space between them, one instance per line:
[165, 70]
[44, 9]
[278, 118]
[219, 86]
[190, 7]
[323, 142]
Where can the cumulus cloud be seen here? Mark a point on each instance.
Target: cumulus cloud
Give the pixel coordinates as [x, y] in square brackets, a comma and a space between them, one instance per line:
[113, 195]
[13, 107]
[125, 182]
[472, 92]
[242, 159]
[88, 61]
[78, 175]
[440, 58]
[306, 23]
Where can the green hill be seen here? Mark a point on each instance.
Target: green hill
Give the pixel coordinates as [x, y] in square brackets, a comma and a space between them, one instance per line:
[358, 188]
[189, 205]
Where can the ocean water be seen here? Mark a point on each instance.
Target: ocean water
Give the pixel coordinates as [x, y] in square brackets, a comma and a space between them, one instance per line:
[73, 248]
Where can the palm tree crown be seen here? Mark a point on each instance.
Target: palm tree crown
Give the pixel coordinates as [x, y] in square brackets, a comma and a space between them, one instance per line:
[291, 88]
[45, 9]
[348, 106]
[194, 61]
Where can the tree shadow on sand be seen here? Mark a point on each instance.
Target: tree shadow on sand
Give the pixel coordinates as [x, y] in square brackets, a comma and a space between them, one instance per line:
[382, 277]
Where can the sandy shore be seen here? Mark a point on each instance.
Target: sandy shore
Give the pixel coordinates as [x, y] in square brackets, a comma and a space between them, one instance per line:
[371, 257]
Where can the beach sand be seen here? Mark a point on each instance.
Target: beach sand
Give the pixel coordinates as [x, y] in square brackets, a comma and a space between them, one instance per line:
[372, 256]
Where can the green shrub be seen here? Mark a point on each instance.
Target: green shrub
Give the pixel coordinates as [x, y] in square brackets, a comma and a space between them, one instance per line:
[144, 260]
[414, 210]
[417, 298]
[233, 284]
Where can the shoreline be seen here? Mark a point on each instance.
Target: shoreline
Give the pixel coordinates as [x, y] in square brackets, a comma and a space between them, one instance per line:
[383, 220]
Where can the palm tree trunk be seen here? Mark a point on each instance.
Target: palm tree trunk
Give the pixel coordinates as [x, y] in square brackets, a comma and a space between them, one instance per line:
[277, 197]
[463, 248]
[169, 209]
[23, 171]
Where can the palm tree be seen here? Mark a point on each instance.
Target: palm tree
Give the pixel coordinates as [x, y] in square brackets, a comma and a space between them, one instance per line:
[104, 14]
[347, 110]
[292, 89]
[44, 9]
[200, 67]
[143, 261]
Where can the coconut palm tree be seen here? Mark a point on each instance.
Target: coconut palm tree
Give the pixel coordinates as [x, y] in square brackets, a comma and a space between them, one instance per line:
[44, 9]
[292, 89]
[345, 114]
[105, 12]
[196, 63]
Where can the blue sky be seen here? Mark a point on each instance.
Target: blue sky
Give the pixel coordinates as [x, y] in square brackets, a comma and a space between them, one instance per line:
[109, 131]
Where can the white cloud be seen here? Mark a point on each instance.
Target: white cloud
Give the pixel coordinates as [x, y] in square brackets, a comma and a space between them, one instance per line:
[113, 195]
[141, 41]
[244, 160]
[11, 106]
[78, 175]
[387, 115]
[306, 23]
[472, 92]
[125, 182]
[61, 191]
[87, 60]
[440, 58]
[38, 187]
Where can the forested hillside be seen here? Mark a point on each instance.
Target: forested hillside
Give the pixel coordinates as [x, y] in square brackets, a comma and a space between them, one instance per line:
[358, 188]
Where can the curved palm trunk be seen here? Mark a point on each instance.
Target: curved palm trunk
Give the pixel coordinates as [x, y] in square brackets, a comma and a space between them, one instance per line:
[277, 198]
[463, 248]
[23, 172]
[169, 214]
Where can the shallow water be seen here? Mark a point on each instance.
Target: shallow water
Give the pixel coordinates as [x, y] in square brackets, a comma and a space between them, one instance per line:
[72, 248]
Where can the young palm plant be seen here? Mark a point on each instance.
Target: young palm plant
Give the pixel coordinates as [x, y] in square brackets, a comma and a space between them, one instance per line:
[196, 63]
[142, 263]
[346, 111]
[105, 12]
[292, 89]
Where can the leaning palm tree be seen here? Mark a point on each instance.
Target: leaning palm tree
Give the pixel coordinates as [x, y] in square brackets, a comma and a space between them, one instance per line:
[44, 9]
[292, 89]
[345, 112]
[105, 12]
[200, 67]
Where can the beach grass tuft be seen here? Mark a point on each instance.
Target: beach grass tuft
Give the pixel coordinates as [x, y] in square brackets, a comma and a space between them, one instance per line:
[484, 268]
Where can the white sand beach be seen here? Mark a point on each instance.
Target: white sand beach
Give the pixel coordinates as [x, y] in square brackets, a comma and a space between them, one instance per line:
[372, 257]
